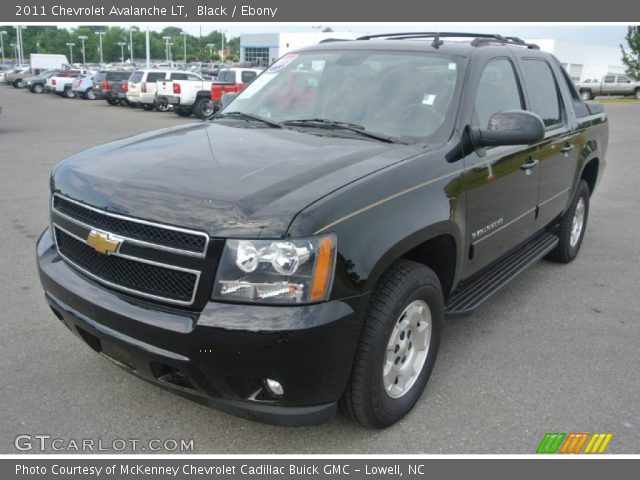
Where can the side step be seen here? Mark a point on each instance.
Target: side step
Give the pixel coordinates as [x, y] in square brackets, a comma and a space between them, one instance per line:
[471, 293]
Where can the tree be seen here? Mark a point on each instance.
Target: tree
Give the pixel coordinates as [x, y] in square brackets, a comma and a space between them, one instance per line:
[632, 59]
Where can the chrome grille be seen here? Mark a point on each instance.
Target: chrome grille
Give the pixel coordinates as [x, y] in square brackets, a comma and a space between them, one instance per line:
[163, 269]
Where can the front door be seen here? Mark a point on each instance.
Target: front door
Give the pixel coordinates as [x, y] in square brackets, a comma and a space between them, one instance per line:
[502, 185]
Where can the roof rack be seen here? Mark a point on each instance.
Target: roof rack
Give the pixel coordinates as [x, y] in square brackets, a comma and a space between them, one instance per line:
[479, 39]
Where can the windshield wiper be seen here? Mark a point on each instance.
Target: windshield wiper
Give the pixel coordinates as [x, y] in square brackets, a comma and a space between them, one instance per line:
[249, 117]
[334, 124]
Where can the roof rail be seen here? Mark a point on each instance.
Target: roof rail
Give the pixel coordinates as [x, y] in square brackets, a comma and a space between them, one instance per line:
[479, 39]
[329, 40]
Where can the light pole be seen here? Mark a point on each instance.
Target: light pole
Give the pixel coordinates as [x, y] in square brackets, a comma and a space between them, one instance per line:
[19, 44]
[71, 45]
[122, 44]
[101, 34]
[184, 34]
[131, 43]
[166, 47]
[169, 45]
[210, 46]
[222, 52]
[15, 51]
[2, 34]
[82, 38]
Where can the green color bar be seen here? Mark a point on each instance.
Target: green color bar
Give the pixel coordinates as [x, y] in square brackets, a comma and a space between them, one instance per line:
[550, 442]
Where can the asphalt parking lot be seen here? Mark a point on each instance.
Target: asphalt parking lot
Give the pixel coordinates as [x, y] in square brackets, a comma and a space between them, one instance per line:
[558, 350]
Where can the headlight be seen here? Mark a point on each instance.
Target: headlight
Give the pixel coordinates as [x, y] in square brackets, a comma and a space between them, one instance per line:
[276, 271]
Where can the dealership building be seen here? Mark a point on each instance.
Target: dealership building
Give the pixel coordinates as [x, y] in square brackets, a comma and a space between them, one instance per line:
[265, 48]
[581, 60]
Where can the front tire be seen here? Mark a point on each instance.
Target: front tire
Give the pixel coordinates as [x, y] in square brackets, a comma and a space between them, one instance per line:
[18, 84]
[586, 95]
[398, 346]
[572, 226]
[89, 95]
[68, 93]
[637, 94]
[37, 88]
[147, 107]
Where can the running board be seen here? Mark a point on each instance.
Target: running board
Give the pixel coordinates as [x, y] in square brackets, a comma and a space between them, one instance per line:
[473, 292]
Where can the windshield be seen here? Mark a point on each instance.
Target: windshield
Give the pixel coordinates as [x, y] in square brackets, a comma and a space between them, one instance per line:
[402, 95]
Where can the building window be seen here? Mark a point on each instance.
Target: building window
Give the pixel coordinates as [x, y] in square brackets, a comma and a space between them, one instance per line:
[257, 55]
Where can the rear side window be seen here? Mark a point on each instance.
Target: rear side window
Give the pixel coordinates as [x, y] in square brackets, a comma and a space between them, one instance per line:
[136, 77]
[498, 91]
[578, 105]
[543, 91]
[153, 77]
[100, 76]
[178, 76]
[248, 76]
[227, 76]
[121, 76]
[610, 79]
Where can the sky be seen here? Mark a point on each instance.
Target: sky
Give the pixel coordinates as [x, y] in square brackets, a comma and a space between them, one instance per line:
[607, 35]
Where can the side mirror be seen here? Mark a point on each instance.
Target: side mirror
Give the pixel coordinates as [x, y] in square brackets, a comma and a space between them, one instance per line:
[511, 127]
[227, 98]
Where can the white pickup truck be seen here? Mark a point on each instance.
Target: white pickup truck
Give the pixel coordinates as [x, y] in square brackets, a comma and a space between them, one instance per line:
[188, 92]
[61, 84]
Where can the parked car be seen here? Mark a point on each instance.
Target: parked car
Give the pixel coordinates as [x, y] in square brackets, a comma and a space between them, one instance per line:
[301, 249]
[188, 93]
[231, 80]
[619, 85]
[37, 83]
[16, 76]
[61, 84]
[141, 87]
[107, 85]
[83, 86]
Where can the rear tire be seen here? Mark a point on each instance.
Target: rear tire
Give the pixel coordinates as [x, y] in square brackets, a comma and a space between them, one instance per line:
[112, 101]
[163, 107]
[68, 93]
[572, 226]
[203, 108]
[147, 107]
[389, 373]
[124, 102]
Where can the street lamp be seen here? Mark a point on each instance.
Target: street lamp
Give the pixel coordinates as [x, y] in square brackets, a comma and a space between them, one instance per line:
[101, 34]
[169, 45]
[210, 46]
[122, 44]
[131, 43]
[71, 45]
[2, 34]
[82, 38]
[184, 34]
[222, 52]
[166, 47]
[15, 51]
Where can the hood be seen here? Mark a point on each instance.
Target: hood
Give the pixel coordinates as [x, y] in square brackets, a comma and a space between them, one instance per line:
[213, 176]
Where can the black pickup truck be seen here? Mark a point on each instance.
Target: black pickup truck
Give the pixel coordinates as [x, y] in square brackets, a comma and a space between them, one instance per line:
[300, 251]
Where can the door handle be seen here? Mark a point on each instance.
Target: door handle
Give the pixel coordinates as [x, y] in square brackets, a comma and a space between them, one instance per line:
[567, 148]
[529, 163]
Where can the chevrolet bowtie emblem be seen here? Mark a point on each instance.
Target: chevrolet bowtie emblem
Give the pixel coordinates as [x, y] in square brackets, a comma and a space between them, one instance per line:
[103, 242]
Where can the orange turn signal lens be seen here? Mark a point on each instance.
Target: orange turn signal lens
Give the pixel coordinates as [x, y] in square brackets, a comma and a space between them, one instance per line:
[323, 269]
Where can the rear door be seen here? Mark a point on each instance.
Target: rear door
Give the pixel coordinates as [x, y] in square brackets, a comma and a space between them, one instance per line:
[502, 185]
[608, 85]
[558, 152]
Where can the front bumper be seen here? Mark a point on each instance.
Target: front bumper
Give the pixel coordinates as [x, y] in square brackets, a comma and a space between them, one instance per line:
[220, 356]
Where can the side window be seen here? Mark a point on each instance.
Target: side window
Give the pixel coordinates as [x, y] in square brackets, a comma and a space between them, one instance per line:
[579, 106]
[543, 92]
[178, 76]
[623, 79]
[498, 91]
[193, 77]
[248, 76]
[609, 79]
[153, 77]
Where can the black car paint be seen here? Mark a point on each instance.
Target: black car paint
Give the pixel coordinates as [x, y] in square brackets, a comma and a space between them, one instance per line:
[382, 200]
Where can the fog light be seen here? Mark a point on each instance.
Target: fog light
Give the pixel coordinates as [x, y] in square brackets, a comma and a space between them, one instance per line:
[275, 387]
